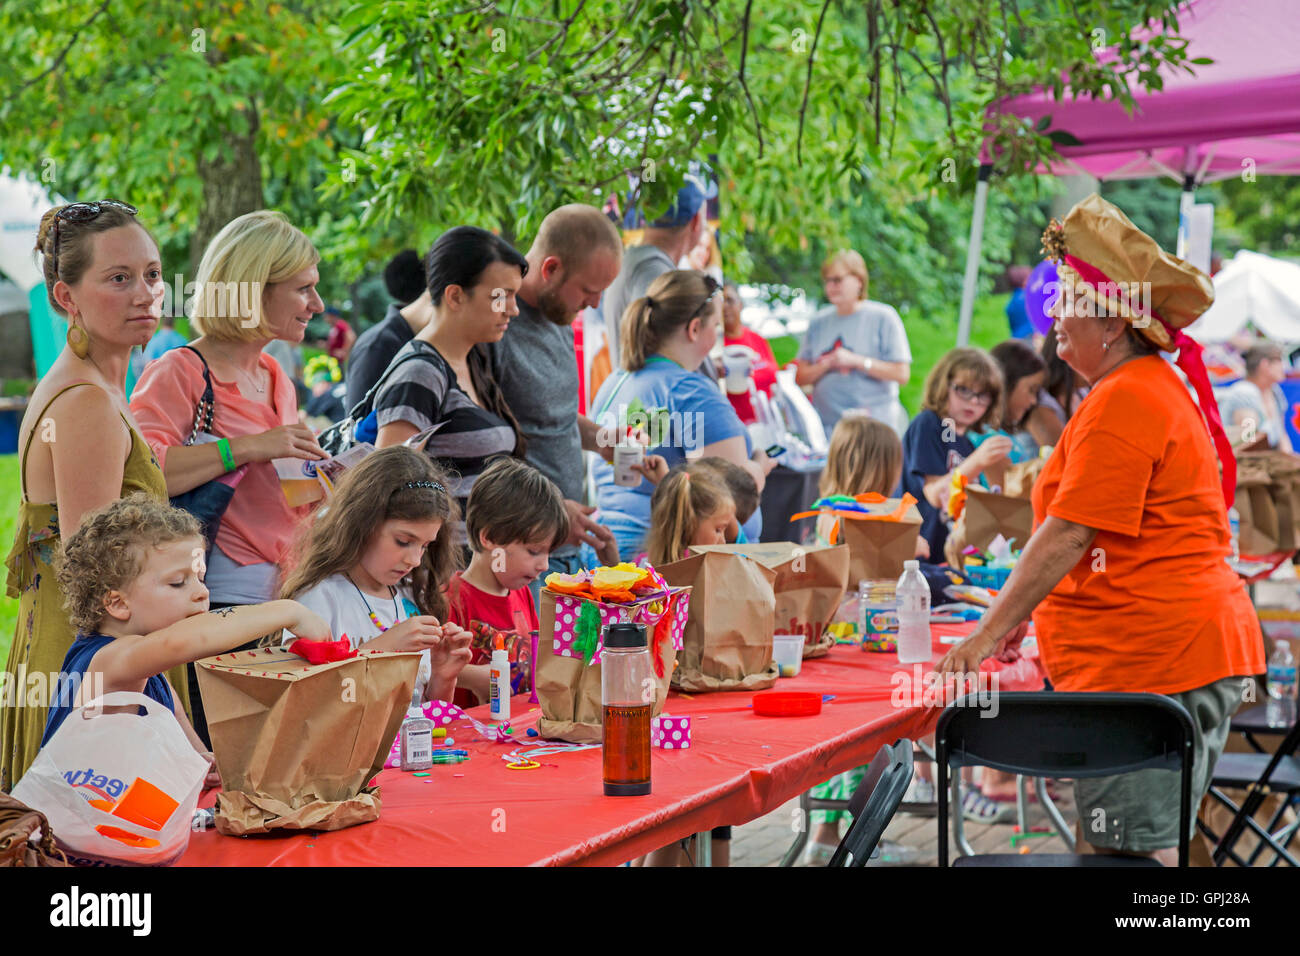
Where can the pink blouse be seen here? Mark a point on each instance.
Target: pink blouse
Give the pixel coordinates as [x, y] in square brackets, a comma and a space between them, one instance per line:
[259, 525]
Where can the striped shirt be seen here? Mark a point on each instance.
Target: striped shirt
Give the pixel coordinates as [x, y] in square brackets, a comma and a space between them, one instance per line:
[425, 394]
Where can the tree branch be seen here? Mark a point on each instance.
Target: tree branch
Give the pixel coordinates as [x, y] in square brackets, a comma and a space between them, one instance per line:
[744, 50]
[807, 84]
[63, 54]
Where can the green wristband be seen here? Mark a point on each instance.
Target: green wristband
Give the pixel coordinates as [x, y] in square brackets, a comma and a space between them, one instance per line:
[227, 459]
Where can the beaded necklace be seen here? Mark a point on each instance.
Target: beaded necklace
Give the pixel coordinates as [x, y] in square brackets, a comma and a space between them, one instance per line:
[374, 618]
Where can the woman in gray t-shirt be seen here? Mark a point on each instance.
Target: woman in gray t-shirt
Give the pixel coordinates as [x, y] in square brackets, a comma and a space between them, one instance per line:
[855, 353]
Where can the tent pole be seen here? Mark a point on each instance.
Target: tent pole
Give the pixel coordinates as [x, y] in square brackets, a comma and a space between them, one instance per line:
[1185, 203]
[971, 279]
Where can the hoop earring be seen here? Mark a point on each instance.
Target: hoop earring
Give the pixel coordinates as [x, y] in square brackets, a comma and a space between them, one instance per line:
[78, 340]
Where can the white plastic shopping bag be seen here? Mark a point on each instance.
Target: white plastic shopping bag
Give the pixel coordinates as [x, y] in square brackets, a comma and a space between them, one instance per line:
[117, 787]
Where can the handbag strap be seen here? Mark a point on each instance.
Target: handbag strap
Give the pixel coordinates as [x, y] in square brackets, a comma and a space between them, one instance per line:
[203, 412]
[364, 407]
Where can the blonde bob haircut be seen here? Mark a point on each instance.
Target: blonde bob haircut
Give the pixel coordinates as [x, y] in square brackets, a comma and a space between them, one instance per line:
[247, 255]
[850, 262]
[864, 456]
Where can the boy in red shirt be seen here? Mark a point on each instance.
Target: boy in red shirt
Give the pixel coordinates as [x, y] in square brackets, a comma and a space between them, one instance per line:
[514, 518]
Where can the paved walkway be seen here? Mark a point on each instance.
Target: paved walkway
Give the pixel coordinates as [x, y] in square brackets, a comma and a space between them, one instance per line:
[763, 842]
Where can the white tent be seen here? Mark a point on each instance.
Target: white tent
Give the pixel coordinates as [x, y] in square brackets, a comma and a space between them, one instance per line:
[22, 203]
[1257, 289]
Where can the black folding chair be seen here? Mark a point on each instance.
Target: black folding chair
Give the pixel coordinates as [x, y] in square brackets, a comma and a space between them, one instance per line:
[1259, 774]
[1251, 721]
[874, 803]
[1067, 735]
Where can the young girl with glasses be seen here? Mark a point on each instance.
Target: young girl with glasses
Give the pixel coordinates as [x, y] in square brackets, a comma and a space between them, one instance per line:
[962, 392]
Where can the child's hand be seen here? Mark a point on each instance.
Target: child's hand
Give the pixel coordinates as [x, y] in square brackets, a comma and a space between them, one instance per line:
[213, 779]
[654, 467]
[922, 548]
[993, 450]
[419, 633]
[309, 625]
[450, 655]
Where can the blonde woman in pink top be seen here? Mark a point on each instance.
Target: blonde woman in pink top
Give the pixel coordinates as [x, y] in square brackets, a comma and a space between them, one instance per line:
[257, 283]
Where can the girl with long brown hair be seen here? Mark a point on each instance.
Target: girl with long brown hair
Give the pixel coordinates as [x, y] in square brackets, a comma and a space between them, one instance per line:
[375, 563]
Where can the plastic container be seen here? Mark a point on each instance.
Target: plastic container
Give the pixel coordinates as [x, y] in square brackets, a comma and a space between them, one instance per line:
[913, 593]
[995, 578]
[1281, 686]
[627, 454]
[776, 703]
[627, 694]
[416, 742]
[787, 651]
[499, 682]
[877, 612]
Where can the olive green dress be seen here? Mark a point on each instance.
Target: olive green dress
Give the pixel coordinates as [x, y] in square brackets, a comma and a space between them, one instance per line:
[44, 633]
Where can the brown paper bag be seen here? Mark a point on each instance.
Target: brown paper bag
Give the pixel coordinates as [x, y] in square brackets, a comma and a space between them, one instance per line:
[1258, 534]
[297, 743]
[810, 584]
[877, 549]
[1284, 488]
[728, 641]
[988, 515]
[568, 688]
[1019, 480]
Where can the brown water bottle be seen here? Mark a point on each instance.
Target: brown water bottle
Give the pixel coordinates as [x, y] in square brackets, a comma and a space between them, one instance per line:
[627, 693]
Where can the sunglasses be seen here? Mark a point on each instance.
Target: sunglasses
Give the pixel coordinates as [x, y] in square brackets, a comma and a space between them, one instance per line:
[83, 212]
[714, 288]
[966, 394]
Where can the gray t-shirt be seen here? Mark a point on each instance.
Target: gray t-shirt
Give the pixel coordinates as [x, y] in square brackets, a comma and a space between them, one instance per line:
[641, 266]
[537, 368]
[873, 330]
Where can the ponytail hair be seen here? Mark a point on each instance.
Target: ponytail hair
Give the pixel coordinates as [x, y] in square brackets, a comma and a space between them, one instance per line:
[392, 483]
[678, 504]
[670, 303]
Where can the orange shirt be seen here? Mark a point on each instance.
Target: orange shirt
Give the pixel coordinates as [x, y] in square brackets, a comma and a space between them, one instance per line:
[1152, 605]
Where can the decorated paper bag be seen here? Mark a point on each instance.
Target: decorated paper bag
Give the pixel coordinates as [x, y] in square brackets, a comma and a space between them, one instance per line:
[881, 539]
[297, 743]
[988, 515]
[568, 656]
[810, 584]
[1258, 534]
[728, 641]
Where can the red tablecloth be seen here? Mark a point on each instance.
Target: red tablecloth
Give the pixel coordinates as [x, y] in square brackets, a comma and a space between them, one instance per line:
[739, 766]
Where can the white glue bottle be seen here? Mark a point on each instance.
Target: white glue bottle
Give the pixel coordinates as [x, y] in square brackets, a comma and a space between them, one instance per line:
[627, 453]
[499, 682]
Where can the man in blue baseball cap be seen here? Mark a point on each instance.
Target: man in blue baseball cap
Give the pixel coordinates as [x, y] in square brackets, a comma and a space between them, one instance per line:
[665, 242]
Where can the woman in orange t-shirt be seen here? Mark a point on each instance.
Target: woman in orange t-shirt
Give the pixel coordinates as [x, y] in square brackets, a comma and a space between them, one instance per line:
[1126, 574]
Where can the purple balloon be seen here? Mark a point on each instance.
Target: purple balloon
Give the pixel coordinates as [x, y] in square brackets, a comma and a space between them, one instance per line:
[1041, 292]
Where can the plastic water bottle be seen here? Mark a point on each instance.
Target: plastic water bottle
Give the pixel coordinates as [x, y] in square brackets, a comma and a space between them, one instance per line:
[913, 595]
[1234, 529]
[1281, 686]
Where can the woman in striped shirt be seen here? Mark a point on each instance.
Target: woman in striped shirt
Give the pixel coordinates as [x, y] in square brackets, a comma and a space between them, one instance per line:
[441, 381]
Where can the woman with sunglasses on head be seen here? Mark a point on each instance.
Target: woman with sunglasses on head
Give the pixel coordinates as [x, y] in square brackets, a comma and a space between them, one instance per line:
[256, 284]
[81, 449]
[664, 337]
[962, 392]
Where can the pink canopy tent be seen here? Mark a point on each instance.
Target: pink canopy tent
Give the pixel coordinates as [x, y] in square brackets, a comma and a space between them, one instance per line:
[1240, 113]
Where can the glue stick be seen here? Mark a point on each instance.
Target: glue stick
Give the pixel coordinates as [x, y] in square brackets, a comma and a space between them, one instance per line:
[499, 681]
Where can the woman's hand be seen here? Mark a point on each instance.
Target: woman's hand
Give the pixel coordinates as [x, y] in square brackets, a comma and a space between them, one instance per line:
[653, 467]
[760, 458]
[922, 548]
[283, 441]
[967, 656]
[213, 779]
